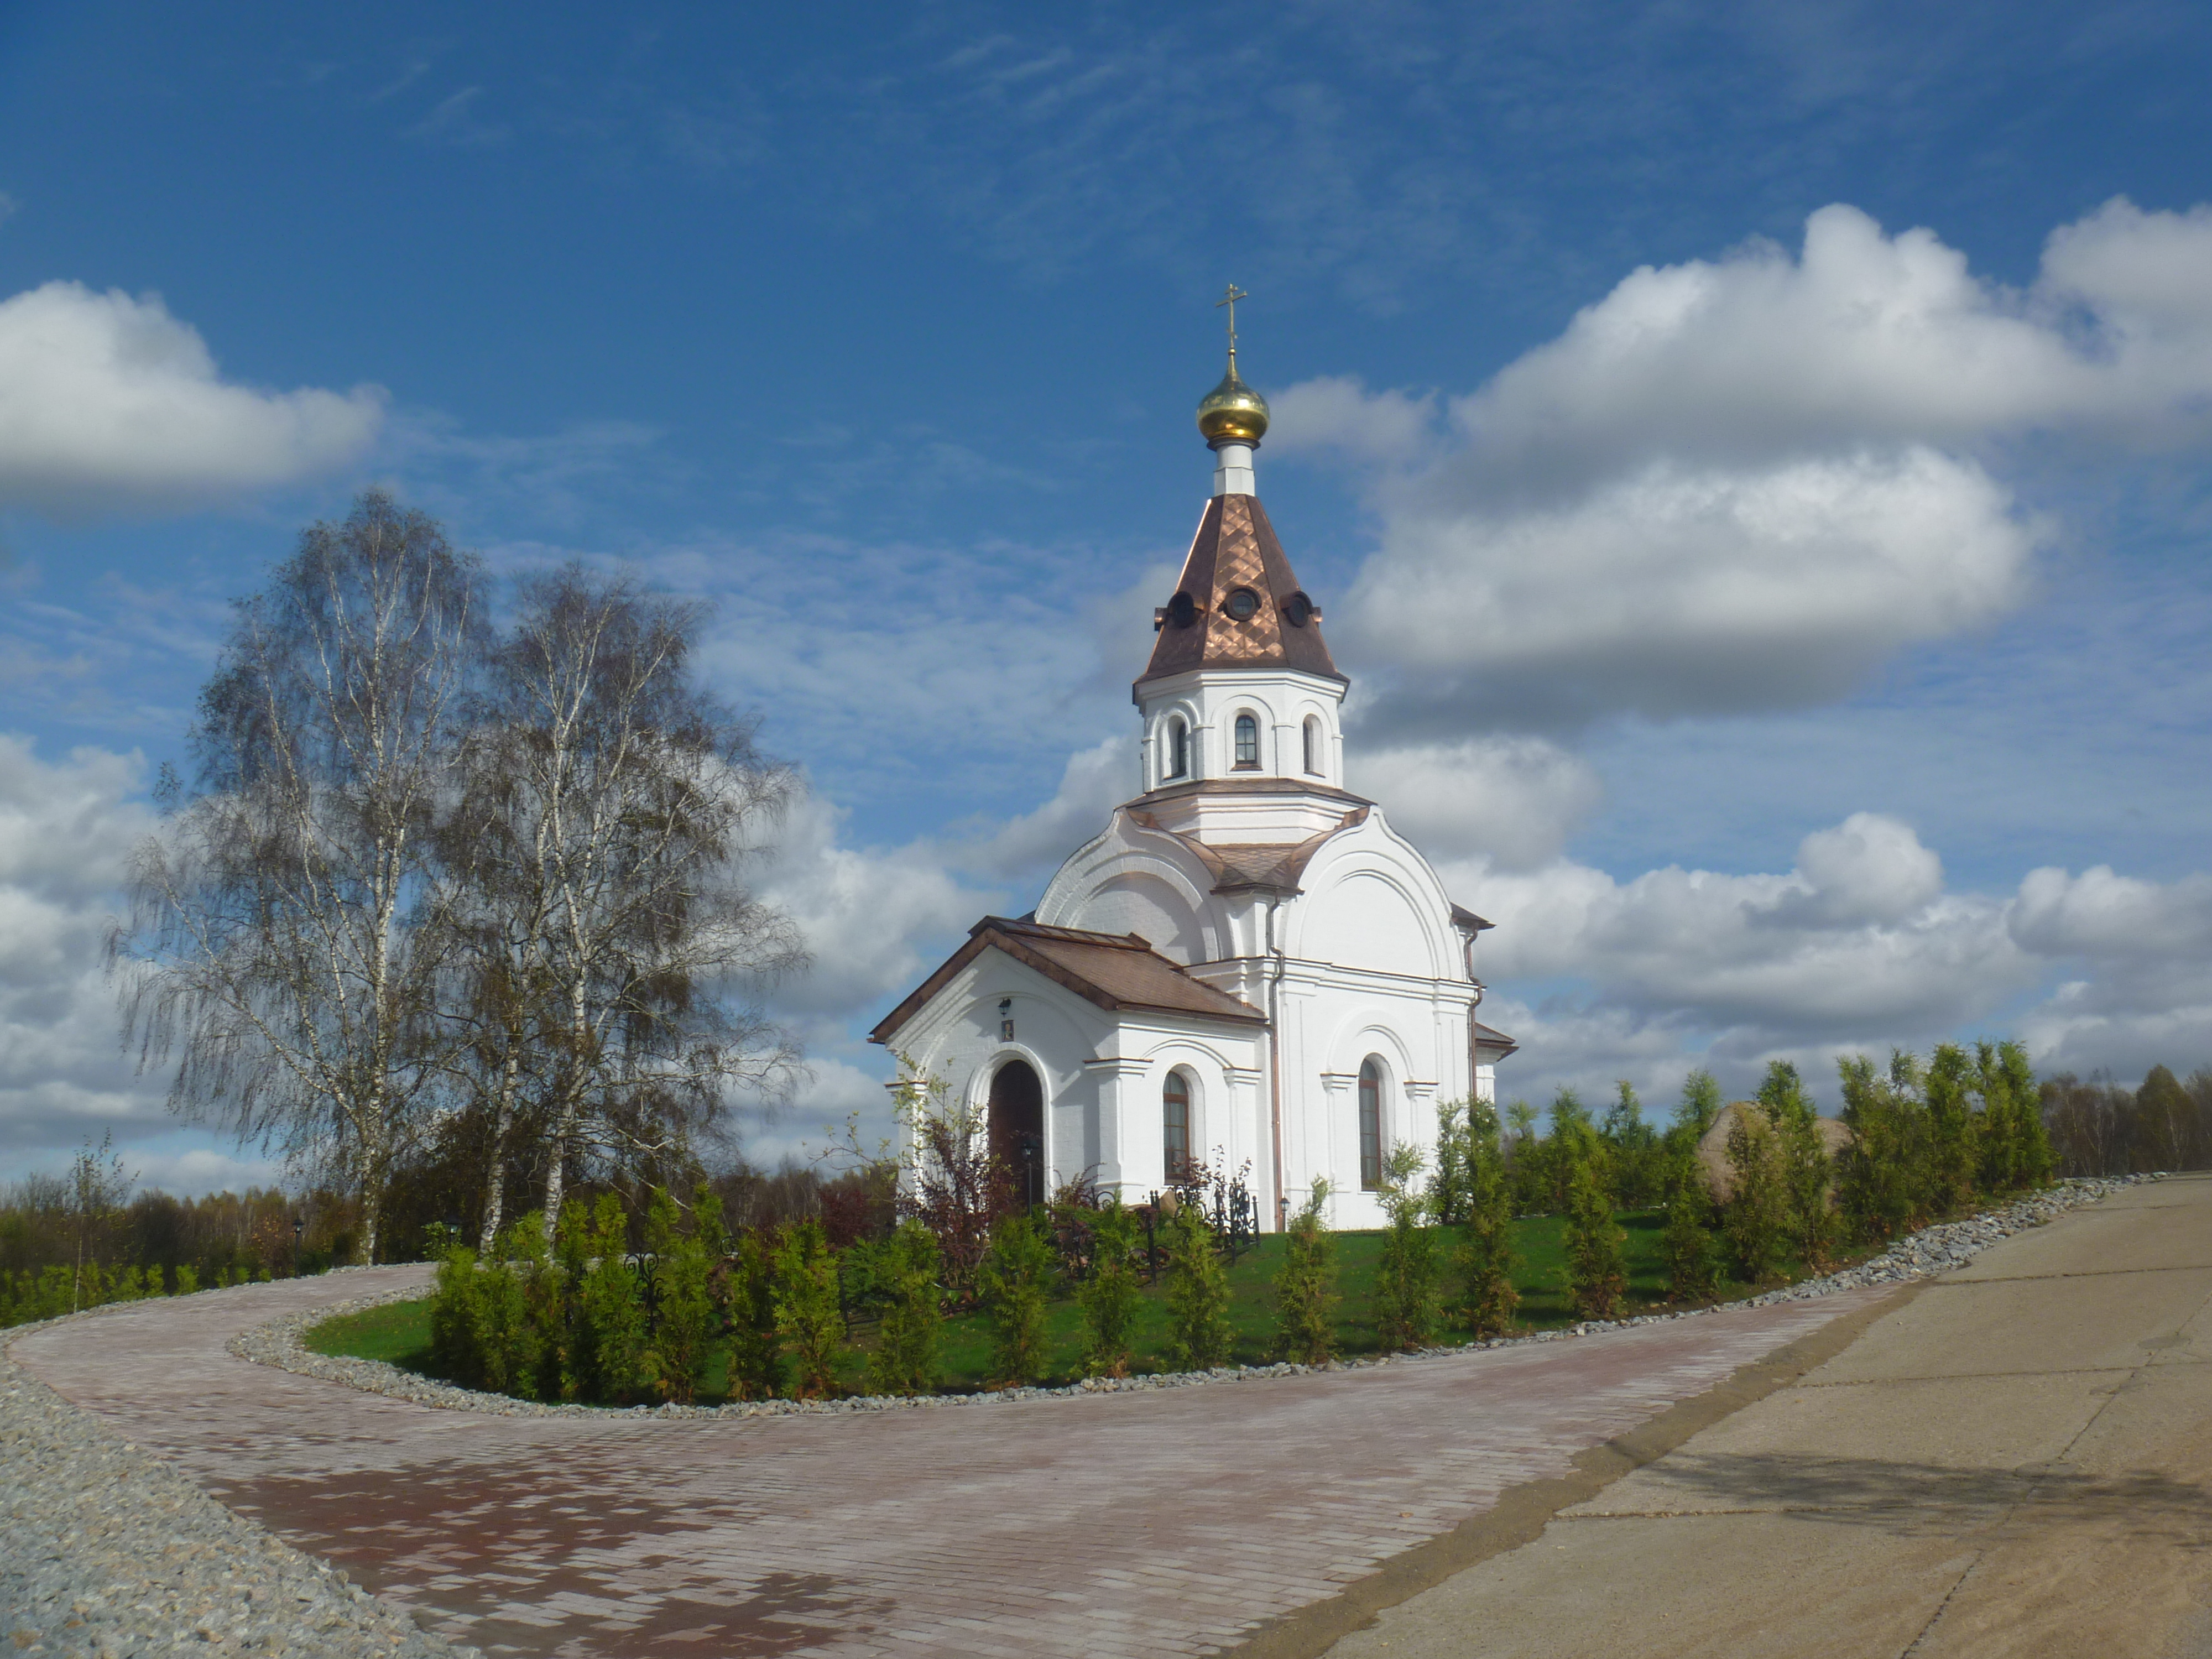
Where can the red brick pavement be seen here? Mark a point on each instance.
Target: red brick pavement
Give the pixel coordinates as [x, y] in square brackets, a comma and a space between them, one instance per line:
[1118, 1524]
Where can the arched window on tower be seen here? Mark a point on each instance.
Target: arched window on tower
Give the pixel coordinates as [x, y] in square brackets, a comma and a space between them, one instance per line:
[1248, 743]
[1312, 744]
[1175, 1125]
[1370, 1125]
[1178, 748]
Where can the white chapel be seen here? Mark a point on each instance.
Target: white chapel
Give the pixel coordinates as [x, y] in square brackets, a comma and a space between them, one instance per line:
[1248, 964]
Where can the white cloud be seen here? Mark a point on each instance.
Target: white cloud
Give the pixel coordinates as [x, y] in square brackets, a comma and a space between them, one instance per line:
[1512, 800]
[1861, 338]
[2102, 916]
[1857, 948]
[1095, 781]
[872, 917]
[1673, 591]
[65, 830]
[109, 402]
[2145, 953]
[1744, 483]
[1338, 412]
[1857, 942]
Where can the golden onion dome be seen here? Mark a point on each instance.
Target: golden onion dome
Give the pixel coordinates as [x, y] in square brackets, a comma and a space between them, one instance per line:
[1232, 413]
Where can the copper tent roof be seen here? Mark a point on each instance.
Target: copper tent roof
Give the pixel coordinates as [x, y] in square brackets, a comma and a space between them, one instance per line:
[1236, 549]
[1116, 971]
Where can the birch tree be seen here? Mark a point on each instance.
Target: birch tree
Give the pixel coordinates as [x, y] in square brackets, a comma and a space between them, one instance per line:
[614, 807]
[281, 943]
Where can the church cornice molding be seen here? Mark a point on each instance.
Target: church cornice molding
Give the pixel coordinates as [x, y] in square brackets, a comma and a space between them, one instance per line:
[1257, 787]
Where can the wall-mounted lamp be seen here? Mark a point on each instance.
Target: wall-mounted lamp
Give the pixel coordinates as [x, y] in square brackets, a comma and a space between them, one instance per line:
[1006, 1019]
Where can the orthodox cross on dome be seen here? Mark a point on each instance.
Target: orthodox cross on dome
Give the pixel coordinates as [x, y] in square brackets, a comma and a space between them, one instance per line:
[1230, 296]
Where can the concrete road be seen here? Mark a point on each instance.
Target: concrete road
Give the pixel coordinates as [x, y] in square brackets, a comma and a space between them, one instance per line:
[2016, 1460]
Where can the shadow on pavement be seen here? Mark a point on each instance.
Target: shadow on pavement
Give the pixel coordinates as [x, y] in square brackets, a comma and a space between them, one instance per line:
[1917, 1499]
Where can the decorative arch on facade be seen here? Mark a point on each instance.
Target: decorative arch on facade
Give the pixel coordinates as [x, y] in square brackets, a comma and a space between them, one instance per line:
[977, 1093]
[1402, 870]
[1072, 897]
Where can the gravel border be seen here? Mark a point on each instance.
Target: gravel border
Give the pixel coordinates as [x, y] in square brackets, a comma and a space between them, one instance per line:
[1932, 1250]
[107, 1549]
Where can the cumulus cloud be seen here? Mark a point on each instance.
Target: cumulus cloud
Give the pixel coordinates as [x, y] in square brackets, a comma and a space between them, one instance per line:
[1743, 484]
[109, 402]
[1337, 412]
[1094, 782]
[1674, 591]
[875, 919]
[2143, 951]
[1858, 942]
[65, 830]
[1859, 946]
[1513, 799]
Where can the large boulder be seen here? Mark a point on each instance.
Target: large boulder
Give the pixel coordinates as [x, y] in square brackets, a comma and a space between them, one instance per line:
[1713, 1153]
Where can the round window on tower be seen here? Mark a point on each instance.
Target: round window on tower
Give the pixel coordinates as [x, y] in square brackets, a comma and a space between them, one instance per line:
[1297, 609]
[1243, 604]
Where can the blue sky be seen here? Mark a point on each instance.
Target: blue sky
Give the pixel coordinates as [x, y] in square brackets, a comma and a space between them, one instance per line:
[882, 327]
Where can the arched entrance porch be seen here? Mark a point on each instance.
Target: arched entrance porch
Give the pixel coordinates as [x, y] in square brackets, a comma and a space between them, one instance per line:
[1016, 1126]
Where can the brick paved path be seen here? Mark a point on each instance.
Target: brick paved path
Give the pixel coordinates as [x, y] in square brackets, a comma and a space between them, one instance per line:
[1138, 1524]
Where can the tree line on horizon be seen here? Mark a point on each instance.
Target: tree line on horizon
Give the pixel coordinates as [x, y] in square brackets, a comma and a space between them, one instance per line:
[458, 904]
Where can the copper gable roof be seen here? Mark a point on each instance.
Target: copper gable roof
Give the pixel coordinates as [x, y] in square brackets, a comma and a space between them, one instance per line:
[1116, 971]
[1236, 549]
[1240, 866]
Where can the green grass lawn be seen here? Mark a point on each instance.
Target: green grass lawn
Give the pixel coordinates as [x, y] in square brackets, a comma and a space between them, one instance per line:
[397, 1333]
[400, 1333]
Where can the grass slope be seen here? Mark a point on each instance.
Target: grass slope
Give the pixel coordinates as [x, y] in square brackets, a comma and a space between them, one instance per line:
[400, 1333]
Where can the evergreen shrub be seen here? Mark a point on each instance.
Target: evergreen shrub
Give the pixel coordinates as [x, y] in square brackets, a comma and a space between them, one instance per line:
[1305, 1286]
[1016, 1278]
[1197, 1294]
[1486, 1260]
[908, 1334]
[809, 1325]
[1406, 1291]
[1108, 1298]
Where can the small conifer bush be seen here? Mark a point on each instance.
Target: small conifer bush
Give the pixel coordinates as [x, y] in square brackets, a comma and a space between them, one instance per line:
[1406, 1291]
[1108, 1299]
[684, 1316]
[1597, 1278]
[1486, 1260]
[607, 1355]
[810, 1324]
[1758, 1213]
[1686, 1241]
[757, 1368]
[905, 1360]
[1015, 1279]
[1305, 1286]
[1197, 1294]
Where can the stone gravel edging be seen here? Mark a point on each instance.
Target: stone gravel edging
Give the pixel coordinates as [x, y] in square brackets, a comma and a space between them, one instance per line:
[106, 1549]
[1932, 1250]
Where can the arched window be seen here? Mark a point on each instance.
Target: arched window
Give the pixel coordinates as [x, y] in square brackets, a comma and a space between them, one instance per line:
[1178, 748]
[1174, 1124]
[1371, 1126]
[1312, 744]
[1248, 741]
